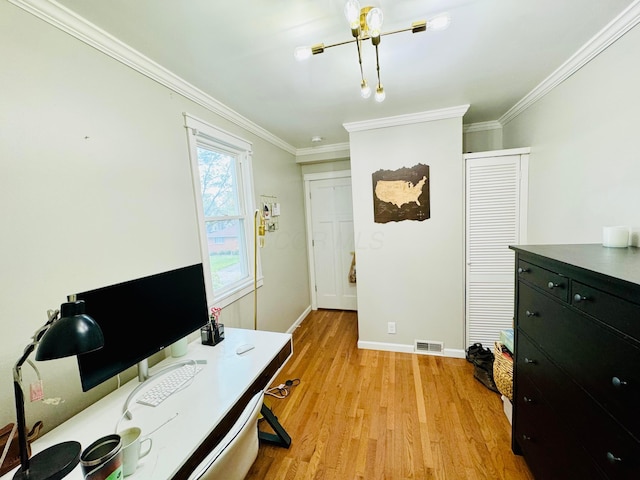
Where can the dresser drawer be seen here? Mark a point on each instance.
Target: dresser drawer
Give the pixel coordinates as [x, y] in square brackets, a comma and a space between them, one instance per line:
[609, 445]
[546, 442]
[543, 318]
[553, 283]
[600, 361]
[622, 315]
[534, 366]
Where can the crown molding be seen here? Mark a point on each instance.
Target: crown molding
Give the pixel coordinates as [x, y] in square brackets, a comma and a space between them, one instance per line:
[429, 116]
[615, 29]
[85, 31]
[324, 153]
[336, 147]
[71, 23]
[481, 126]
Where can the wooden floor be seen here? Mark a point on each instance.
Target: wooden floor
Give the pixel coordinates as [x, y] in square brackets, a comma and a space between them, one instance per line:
[364, 414]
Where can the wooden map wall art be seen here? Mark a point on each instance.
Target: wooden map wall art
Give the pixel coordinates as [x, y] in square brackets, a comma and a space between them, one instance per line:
[401, 194]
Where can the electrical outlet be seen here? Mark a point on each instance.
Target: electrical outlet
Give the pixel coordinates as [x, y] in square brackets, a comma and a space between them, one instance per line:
[391, 327]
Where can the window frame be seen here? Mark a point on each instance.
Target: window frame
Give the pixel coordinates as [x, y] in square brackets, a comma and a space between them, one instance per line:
[205, 135]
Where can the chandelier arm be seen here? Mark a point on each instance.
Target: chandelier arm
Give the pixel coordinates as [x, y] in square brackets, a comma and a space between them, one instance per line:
[360, 58]
[367, 37]
[378, 65]
[340, 43]
[410, 29]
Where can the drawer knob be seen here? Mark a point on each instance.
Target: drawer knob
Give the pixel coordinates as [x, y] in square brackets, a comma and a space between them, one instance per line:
[612, 458]
[617, 383]
[526, 437]
[527, 399]
[529, 360]
[523, 270]
[580, 298]
[531, 314]
[553, 285]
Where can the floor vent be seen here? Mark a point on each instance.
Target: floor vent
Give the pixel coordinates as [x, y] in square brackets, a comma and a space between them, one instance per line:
[429, 347]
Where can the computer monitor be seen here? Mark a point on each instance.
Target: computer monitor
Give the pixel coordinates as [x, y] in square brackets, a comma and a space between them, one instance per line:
[141, 317]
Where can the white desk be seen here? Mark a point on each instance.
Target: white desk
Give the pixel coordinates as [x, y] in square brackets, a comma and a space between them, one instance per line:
[190, 422]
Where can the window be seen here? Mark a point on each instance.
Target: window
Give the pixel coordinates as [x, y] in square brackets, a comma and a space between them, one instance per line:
[221, 169]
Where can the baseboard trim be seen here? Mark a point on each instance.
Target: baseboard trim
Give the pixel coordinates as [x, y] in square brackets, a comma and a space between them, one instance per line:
[454, 353]
[385, 347]
[401, 348]
[300, 319]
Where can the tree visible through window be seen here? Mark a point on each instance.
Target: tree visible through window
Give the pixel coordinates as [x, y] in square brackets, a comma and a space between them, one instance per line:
[223, 216]
[221, 168]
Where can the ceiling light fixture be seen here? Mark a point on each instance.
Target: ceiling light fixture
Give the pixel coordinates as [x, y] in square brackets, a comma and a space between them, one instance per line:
[365, 24]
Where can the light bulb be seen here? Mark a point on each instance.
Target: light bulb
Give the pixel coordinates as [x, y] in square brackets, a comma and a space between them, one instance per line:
[365, 90]
[352, 12]
[302, 53]
[380, 95]
[374, 22]
[439, 22]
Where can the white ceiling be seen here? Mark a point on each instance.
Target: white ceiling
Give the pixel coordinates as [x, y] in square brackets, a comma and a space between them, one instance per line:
[240, 52]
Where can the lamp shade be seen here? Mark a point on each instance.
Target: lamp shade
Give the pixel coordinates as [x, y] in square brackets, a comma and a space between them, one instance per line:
[302, 53]
[439, 22]
[72, 334]
[352, 13]
[374, 21]
[365, 89]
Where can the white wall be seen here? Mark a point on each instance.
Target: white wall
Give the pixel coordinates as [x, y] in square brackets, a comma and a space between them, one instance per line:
[481, 139]
[584, 168]
[324, 167]
[410, 272]
[96, 189]
[285, 297]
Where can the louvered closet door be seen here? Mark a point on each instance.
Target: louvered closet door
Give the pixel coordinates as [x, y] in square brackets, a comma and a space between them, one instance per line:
[492, 224]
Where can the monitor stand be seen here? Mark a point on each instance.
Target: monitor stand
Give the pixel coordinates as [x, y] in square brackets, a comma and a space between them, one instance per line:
[143, 370]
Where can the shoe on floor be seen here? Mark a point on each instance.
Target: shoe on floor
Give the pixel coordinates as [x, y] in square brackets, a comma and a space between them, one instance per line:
[485, 377]
[472, 351]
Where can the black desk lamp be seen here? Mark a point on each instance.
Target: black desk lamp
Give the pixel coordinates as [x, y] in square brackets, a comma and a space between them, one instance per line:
[71, 334]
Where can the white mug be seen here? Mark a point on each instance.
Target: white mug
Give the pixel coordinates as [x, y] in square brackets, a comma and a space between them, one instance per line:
[132, 448]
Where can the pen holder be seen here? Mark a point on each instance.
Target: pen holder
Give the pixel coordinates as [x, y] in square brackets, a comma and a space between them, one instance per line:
[212, 335]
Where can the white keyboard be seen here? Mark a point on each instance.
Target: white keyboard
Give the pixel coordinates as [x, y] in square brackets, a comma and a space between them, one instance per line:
[172, 382]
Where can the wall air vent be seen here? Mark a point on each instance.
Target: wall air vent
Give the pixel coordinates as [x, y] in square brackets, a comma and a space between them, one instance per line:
[429, 347]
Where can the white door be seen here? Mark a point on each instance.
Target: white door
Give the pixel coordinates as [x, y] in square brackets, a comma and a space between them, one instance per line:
[495, 219]
[332, 243]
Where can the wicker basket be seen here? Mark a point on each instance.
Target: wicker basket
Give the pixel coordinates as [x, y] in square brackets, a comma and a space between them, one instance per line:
[503, 372]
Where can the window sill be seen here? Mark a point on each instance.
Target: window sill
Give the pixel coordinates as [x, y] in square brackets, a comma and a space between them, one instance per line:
[227, 298]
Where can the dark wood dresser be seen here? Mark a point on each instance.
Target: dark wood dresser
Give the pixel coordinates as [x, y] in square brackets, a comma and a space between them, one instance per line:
[577, 370]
